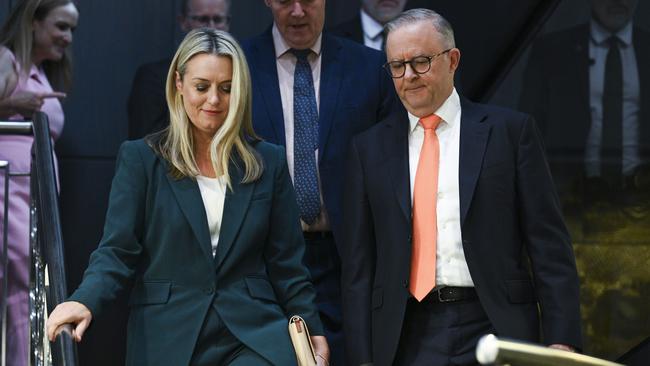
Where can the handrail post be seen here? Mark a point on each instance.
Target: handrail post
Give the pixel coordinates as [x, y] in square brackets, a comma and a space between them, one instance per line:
[64, 350]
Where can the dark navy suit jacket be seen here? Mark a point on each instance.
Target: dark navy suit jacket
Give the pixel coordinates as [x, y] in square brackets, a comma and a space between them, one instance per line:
[355, 93]
[351, 29]
[515, 241]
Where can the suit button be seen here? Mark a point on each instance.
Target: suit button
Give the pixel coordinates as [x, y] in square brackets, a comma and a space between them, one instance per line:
[208, 290]
[405, 283]
[410, 238]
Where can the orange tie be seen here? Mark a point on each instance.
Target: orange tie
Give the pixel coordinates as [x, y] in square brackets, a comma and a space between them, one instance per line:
[425, 228]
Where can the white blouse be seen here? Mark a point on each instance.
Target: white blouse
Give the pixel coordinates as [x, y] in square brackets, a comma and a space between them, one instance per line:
[213, 193]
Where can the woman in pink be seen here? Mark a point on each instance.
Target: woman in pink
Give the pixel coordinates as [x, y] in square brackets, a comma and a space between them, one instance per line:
[33, 59]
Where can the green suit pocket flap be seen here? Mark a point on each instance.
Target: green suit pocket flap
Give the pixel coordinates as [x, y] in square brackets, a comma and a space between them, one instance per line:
[150, 292]
[520, 291]
[260, 288]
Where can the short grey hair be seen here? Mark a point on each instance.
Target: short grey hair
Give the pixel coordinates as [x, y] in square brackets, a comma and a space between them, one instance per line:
[439, 23]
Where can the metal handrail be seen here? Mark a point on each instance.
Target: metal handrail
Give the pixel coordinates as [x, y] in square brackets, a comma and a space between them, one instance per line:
[494, 351]
[47, 244]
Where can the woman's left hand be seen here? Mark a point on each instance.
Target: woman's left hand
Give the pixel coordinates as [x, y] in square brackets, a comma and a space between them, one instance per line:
[321, 350]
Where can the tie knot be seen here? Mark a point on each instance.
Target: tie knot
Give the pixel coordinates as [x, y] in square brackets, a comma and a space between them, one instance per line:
[301, 55]
[430, 122]
[613, 41]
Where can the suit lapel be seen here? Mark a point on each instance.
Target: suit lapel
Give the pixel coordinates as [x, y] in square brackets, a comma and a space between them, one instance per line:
[188, 197]
[395, 143]
[474, 135]
[331, 74]
[234, 210]
[265, 72]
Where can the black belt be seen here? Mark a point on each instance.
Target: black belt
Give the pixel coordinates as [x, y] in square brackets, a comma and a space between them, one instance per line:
[450, 294]
[316, 235]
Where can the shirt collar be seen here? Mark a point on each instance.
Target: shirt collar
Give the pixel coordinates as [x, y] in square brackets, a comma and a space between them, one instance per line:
[600, 35]
[447, 111]
[371, 28]
[281, 46]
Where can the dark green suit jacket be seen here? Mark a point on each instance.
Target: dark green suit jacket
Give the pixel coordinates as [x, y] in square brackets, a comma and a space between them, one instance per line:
[156, 235]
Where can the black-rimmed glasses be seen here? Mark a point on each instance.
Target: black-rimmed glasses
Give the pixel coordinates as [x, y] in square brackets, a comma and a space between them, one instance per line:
[419, 65]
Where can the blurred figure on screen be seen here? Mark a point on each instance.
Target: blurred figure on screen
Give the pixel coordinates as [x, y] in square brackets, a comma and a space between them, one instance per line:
[589, 89]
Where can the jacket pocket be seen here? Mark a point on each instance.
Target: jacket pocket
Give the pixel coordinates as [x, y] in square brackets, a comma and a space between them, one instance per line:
[150, 293]
[520, 291]
[260, 288]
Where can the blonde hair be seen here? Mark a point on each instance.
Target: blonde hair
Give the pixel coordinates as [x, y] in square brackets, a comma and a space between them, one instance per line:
[231, 143]
[17, 35]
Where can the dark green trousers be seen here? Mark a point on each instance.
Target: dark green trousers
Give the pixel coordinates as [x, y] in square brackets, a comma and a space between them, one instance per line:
[216, 346]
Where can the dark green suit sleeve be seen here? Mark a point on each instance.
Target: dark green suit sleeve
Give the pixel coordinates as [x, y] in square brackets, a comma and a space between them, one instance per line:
[112, 265]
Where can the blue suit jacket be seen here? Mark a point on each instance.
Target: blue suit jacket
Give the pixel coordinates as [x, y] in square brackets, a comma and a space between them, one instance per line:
[156, 235]
[355, 93]
[515, 242]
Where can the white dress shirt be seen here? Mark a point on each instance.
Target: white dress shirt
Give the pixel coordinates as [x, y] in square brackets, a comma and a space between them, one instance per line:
[598, 49]
[286, 65]
[213, 194]
[372, 31]
[451, 266]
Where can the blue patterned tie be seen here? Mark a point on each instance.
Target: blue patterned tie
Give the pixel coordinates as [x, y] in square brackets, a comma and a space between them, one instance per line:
[305, 138]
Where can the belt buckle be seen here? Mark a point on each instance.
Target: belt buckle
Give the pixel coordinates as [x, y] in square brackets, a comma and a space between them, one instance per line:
[440, 299]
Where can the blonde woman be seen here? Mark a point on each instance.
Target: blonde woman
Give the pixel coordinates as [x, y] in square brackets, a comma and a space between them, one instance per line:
[202, 218]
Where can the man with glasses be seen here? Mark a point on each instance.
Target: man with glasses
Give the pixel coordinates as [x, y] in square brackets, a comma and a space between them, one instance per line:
[147, 108]
[453, 229]
[311, 93]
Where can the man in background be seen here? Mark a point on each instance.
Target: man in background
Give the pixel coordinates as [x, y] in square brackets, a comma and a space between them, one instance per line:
[588, 87]
[147, 107]
[311, 93]
[368, 26]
